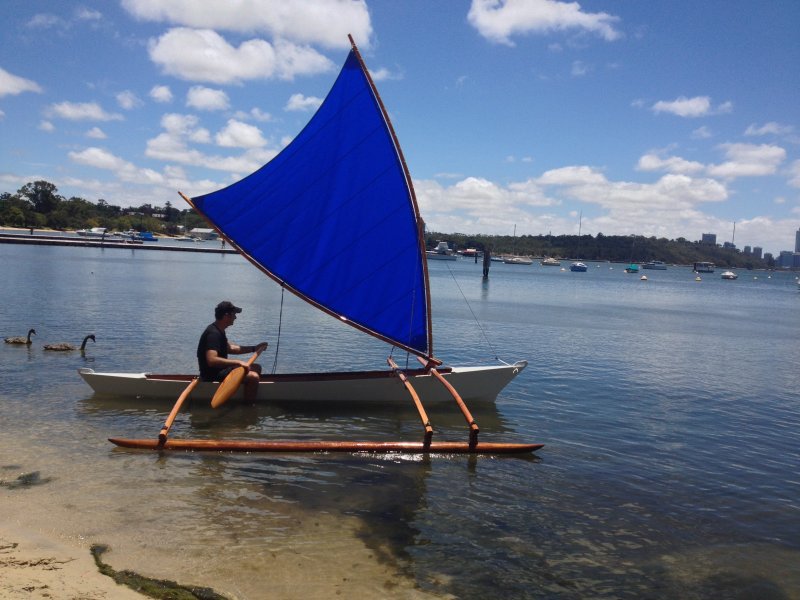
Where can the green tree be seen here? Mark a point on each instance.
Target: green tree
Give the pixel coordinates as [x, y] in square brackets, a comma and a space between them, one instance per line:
[42, 195]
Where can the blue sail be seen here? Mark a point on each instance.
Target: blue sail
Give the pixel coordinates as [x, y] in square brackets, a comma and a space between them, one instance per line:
[333, 217]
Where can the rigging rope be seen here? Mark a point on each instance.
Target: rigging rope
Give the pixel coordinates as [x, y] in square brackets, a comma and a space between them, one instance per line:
[478, 323]
[278, 342]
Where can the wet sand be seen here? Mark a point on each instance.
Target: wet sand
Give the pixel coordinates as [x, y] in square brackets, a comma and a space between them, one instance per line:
[33, 567]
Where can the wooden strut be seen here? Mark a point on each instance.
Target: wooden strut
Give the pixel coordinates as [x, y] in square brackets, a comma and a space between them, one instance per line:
[426, 423]
[473, 426]
[162, 436]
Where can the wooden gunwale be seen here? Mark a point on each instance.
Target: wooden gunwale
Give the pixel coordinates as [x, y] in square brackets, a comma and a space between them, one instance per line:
[343, 375]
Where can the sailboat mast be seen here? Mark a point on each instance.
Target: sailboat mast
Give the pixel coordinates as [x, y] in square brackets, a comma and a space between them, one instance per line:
[412, 194]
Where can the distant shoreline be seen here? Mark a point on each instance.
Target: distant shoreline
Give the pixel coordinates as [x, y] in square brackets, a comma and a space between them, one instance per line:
[66, 240]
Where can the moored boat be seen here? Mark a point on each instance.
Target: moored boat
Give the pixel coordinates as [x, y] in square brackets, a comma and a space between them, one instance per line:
[517, 260]
[94, 232]
[729, 275]
[441, 252]
[578, 267]
[655, 264]
[374, 387]
[550, 262]
[632, 268]
[342, 187]
[703, 267]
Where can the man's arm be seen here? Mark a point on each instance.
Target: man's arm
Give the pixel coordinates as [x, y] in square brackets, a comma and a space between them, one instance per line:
[216, 361]
[236, 349]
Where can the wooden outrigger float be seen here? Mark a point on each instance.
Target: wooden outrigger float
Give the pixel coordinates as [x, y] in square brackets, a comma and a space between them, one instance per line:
[311, 219]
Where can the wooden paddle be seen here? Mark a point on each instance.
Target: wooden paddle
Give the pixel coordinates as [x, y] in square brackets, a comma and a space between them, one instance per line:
[231, 383]
[162, 436]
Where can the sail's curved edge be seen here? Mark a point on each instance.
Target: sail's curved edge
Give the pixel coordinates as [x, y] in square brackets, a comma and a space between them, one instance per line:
[334, 219]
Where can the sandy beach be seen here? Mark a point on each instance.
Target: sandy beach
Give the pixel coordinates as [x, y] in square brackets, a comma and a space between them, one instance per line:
[33, 566]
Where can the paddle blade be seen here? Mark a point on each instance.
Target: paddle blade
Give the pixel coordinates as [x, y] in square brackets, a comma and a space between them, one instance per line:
[228, 387]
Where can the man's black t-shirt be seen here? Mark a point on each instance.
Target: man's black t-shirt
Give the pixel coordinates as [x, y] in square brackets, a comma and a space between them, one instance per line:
[212, 339]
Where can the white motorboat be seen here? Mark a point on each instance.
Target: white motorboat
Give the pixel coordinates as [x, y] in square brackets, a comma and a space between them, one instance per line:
[578, 267]
[550, 262]
[730, 275]
[517, 260]
[441, 252]
[94, 232]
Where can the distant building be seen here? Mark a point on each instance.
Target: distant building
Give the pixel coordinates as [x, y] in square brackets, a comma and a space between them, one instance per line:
[729, 246]
[788, 260]
[747, 251]
[768, 257]
[797, 241]
[709, 238]
[757, 251]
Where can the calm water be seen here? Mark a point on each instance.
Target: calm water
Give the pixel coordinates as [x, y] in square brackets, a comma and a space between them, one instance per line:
[669, 410]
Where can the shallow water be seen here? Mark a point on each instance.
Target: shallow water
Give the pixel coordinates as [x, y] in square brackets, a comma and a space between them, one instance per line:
[669, 410]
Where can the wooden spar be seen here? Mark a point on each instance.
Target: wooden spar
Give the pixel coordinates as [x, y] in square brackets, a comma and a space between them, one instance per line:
[327, 446]
[162, 436]
[417, 402]
[473, 426]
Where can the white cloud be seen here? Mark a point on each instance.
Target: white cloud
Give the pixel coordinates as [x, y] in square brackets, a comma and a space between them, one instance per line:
[96, 133]
[324, 22]
[668, 207]
[298, 102]
[574, 175]
[87, 14]
[748, 160]
[771, 128]
[699, 106]
[255, 113]
[240, 135]
[384, 74]
[499, 20]
[579, 68]
[128, 100]
[684, 107]
[204, 55]
[45, 21]
[203, 98]
[11, 85]
[124, 170]
[185, 126]
[702, 133]
[173, 146]
[99, 158]
[671, 164]
[161, 93]
[46, 126]
[81, 111]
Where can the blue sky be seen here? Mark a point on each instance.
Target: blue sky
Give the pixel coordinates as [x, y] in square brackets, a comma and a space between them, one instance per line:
[669, 118]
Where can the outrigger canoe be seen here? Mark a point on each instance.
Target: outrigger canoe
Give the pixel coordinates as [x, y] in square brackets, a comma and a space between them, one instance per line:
[334, 220]
[474, 384]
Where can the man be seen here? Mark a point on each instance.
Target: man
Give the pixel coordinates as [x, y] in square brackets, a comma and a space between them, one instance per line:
[214, 347]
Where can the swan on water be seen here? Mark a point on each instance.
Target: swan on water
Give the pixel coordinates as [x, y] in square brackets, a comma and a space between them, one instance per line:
[64, 346]
[21, 340]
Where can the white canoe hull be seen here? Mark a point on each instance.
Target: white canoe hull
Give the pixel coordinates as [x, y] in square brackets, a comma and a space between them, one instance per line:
[472, 383]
